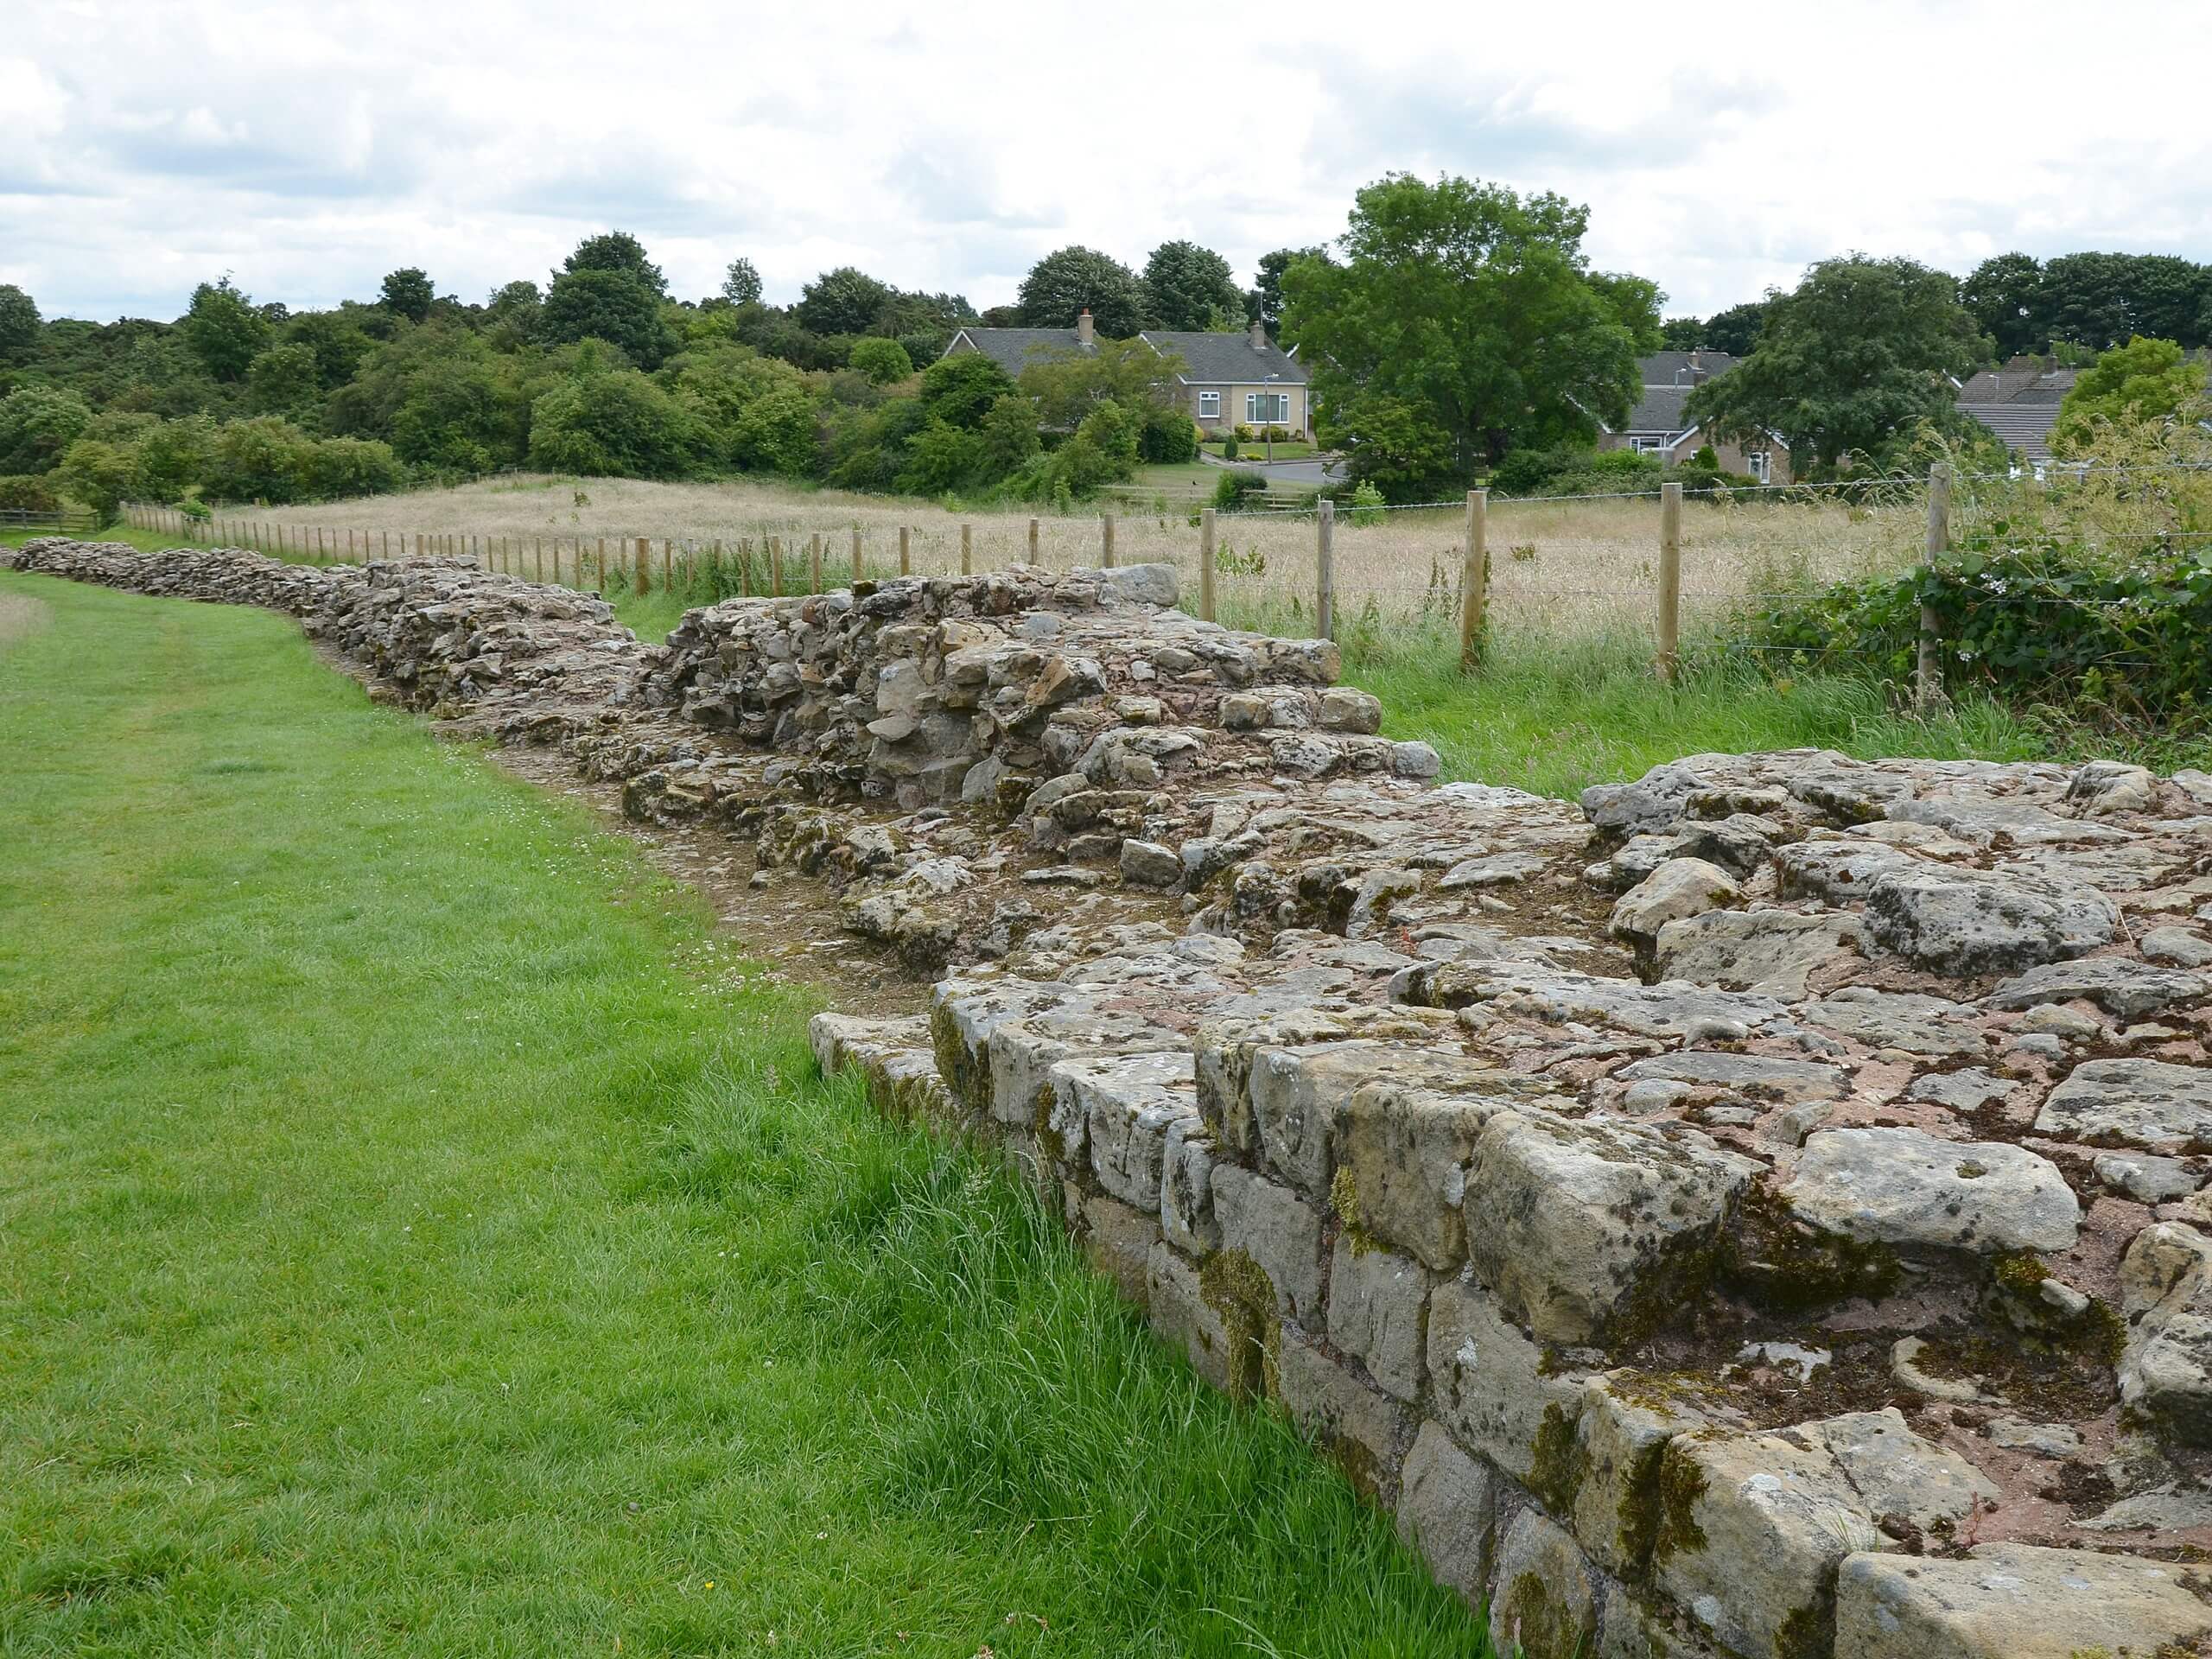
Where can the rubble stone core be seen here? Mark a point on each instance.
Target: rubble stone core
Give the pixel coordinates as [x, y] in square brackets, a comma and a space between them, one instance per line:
[1764, 1209]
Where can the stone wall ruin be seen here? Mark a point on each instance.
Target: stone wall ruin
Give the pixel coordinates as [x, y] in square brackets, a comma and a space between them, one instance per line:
[1762, 1210]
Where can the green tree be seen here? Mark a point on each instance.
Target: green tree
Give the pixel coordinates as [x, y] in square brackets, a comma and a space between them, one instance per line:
[1396, 445]
[173, 456]
[1189, 287]
[940, 457]
[612, 422]
[1263, 301]
[1472, 304]
[1736, 331]
[336, 468]
[442, 397]
[1850, 363]
[264, 459]
[777, 432]
[2144, 383]
[1072, 279]
[284, 380]
[717, 383]
[596, 302]
[742, 285]
[959, 391]
[2004, 297]
[407, 293]
[224, 329]
[37, 425]
[1635, 301]
[1008, 437]
[882, 362]
[101, 476]
[337, 341]
[1683, 335]
[846, 301]
[1066, 386]
[19, 325]
[618, 251]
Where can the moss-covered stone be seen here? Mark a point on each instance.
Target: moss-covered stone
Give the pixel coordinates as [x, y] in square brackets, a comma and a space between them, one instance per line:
[1779, 1262]
[1671, 1516]
[1561, 1461]
[1238, 1291]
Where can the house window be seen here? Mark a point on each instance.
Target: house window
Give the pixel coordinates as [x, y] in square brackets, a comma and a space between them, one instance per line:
[1267, 408]
[1208, 405]
[1648, 446]
[1759, 465]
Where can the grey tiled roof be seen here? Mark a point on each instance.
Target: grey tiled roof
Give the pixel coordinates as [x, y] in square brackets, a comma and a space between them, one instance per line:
[1223, 359]
[1668, 378]
[1014, 349]
[2022, 426]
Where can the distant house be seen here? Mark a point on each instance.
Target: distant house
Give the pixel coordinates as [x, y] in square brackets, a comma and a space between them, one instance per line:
[1226, 381]
[1243, 379]
[2019, 403]
[1656, 426]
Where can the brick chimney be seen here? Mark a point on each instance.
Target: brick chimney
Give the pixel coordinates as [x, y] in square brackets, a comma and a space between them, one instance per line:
[1083, 327]
[1259, 336]
[1699, 373]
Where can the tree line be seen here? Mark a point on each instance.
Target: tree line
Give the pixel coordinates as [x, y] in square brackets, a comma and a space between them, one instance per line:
[1456, 331]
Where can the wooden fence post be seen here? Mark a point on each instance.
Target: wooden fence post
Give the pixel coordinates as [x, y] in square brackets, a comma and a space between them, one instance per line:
[644, 582]
[1325, 569]
[1927, 666]
[857, 553]
[905, 554]
[1671, 579]
[600, 568]
[418, 543]
[1205, 563]
[1106, 533]
[814, 562]
[1474, 581]
[1032, 541]
[775, 566]
[967, 551]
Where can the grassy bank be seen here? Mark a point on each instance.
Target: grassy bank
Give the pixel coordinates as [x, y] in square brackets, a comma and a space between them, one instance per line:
[423, 1237]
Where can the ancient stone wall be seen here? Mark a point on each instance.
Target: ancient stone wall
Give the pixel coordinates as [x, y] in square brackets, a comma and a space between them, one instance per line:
[1761, 1209]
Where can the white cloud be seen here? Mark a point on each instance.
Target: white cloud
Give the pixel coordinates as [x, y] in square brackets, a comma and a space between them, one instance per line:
[151, 143]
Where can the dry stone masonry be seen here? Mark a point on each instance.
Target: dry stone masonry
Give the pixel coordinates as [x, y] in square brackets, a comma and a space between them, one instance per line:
[1763, 1210]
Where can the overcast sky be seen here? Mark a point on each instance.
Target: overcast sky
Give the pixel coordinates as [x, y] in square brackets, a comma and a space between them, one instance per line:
[310, 148]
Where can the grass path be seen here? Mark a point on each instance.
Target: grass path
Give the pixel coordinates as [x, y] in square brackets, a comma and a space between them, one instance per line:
[416, 1236]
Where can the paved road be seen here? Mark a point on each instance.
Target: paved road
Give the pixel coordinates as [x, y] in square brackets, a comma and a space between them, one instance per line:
[1284, 472]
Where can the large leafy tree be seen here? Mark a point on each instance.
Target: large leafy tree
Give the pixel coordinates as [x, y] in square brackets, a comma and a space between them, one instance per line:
[37, 425]
[610, 422]
[1065, 385]
[1736, 331]
[741, 283]
[2004, 297]
[2144, 383]
[619, 252]
[19, 324]
[1850, 363]
[407, 293]
[1189, 287]
[224, 329]
[598, 303]
[1263, 300]
[1073, 279]
[846, 301]
[1473, 307]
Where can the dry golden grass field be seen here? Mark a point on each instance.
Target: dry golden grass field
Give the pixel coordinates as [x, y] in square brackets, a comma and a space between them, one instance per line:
[1566, 567]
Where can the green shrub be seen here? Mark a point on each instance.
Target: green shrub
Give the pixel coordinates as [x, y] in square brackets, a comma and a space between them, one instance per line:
[882, 362]
[23, 493]
[1167, 438]
[1237, 488]
[1367, 505]
[1229, 450]
[2043, 620]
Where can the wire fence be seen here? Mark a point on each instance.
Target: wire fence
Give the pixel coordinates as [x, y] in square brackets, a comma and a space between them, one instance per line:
[1651, 564]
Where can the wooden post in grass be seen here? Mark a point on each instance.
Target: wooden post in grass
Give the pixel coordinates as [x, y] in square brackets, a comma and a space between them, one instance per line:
[857, 553]
[967, 549]
[1325, 570]
[600, 568]
[1671, 579]
[1205, 563]
[1474, 581]
[643, 583]
[1106, 540]
[1928, 665]
[814, 562]
[1033, 541]
[775, 566]
[418, 543]
[905, 554]
[667, 563]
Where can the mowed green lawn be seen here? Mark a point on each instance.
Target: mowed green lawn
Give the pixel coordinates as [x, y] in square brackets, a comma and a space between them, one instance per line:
[418, 1235]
